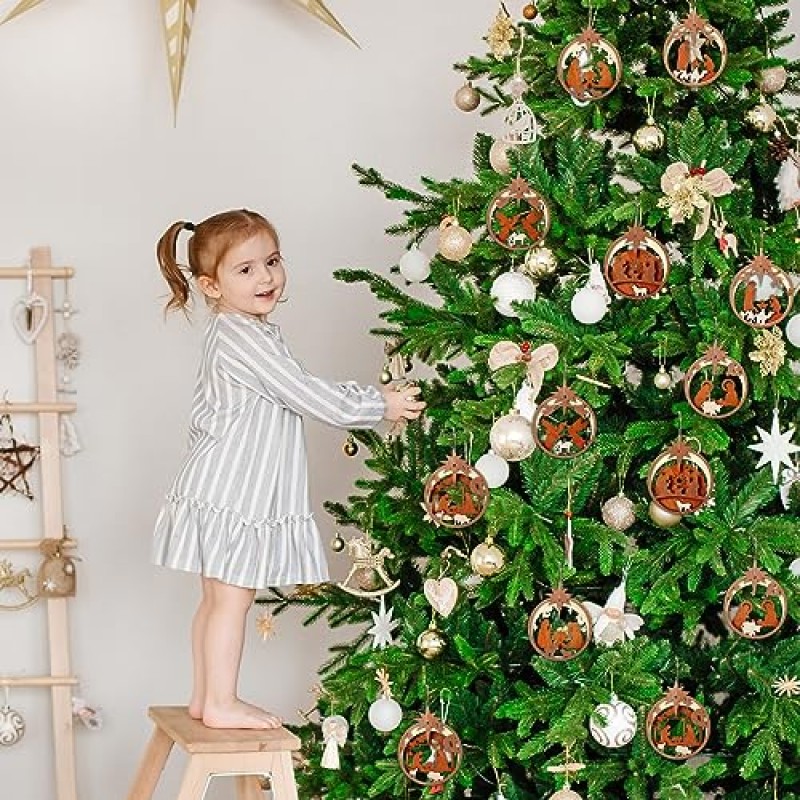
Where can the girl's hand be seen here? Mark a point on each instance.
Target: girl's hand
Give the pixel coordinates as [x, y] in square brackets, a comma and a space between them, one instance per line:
[402, 402]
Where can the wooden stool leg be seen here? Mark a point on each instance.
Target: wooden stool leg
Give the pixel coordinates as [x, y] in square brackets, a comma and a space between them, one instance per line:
[283, 785]
[248, 787]
[195, 779]
[152, 766]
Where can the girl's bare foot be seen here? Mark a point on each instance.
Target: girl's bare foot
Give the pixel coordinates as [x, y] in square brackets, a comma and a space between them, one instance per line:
[239, 715]
[195, 709]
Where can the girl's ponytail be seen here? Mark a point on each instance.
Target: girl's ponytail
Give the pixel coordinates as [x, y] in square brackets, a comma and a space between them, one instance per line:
[166, 251]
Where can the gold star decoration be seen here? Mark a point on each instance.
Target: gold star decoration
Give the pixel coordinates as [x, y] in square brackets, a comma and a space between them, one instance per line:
[787, 686]
[176, 19]
[770, 352]
[265, 625]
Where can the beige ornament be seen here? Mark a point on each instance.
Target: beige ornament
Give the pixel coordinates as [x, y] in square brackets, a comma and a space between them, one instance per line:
[467, 98]
[498, 157]
[361, 548]
[17, 584]
[455, 242]
[649, 138]
[762, 117]
[501, 33]
[177, 17]
[695, 52]
[540, 262]
[57, 576]
[770, 352]
[537, 361]
[663, 518]
[772, 79]
[487, 559]
[431, 643]
[442, 594]
[618, 512]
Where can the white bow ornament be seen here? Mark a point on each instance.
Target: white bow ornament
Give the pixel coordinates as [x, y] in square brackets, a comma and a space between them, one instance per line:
[537, 361]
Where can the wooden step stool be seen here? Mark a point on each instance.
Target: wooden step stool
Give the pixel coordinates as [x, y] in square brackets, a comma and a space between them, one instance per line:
[247, 755]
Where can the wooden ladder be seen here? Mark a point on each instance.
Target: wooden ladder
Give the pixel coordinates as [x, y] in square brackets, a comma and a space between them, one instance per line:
[48, 408]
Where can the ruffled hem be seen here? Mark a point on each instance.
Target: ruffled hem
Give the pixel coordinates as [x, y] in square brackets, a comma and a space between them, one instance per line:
[219, 543]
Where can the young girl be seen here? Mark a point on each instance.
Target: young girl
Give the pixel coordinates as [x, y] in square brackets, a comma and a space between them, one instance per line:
[238, 512]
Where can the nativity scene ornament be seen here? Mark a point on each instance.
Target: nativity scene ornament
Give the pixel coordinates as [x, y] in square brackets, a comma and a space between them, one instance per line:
[177, 17]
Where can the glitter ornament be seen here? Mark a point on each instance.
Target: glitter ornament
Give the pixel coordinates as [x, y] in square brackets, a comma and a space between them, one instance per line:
[429, 752]
[487, 559]
[559, 628]
[455, 242]
[661, 517]
[509, 288]
[613, 724]
[467, 97]
[793, 330]
[518, 216]
[695, 52]
[456, 495]
[498, 157]
[772, 79]
[415, 266]
[350, 447]
[589, 67]
[649, 138]
[337, 544]
[762, 117]
[662, 379]
[680, 479]
[511, 437]
[636, 265]
[565, 794]
[493, 468]
[617, 512]
[564, 425]
[715, 385]
[539, 263]
[760, 293]
[677, 726]
[431, 642]
[755, 605]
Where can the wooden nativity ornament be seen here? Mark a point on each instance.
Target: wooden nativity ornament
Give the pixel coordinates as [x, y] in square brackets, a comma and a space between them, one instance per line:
[755, 605]
[456, 495]
[680, 480]
[429, 752]
[636, 265]
[564, 425]
[715, 384]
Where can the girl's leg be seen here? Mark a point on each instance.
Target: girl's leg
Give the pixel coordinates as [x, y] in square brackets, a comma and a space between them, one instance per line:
[222, 656]
[199, 623]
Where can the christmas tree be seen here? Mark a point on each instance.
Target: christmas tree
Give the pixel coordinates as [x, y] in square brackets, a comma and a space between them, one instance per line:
[578, 574]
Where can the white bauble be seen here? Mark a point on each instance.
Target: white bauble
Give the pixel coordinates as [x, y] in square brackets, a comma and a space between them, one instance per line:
[565, 794]
[617, 513]
[511, 437]
[511, 287]
[487, 559]
[498, 157]
[613, 724]
[662, 517]
[415, 265]
[772, 79]
[385, 714]
[793, 330]
[493, 468]
[588, 306]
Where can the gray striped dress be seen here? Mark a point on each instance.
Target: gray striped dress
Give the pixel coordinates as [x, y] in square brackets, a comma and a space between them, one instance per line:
[238, 510]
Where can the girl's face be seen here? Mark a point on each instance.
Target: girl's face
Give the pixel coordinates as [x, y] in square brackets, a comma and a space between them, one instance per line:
[250, 279]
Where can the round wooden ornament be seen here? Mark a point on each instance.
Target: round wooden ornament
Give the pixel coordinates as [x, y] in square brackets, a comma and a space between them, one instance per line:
[636, 265]
[518, 216]
[755, 605]
[564, 425]
[695, 52]
[761, 294]
[456, 495]
[560, 628]
[680, 480]
[716, 384]
[678, 727]
[430, 751]
[589, 67]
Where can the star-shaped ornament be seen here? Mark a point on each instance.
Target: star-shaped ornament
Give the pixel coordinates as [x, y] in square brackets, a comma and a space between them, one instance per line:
[636, 235]
[383, 626]
[589, 36]
[265, 625]
[787, 686]
[776, 447]
[559, 597]
[16, 459]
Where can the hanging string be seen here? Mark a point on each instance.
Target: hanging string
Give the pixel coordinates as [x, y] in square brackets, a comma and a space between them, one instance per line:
[569, 541]
[444, 708]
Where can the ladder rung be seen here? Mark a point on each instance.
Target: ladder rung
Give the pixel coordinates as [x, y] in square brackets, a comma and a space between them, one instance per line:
[32, 544]
[41, 272]
[44, 680]
[37, 408]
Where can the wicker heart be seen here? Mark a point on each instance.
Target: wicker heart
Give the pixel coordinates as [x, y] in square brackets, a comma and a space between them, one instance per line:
[441, 594]
[23, 311]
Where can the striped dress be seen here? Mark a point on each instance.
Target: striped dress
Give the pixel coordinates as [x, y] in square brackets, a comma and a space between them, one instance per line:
[238, 510]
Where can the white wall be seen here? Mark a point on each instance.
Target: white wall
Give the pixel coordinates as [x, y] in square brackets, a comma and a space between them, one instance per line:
[275, 108]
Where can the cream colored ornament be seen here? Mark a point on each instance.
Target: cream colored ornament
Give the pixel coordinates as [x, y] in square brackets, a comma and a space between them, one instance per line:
[10, 10]
[662, 517]
[618, 513]
[762, 117]
[319, 10]
[334, 733]
[565, 794]
[772, 79]
[442, 594]
[455, 242]
[415, 265]
[787, 182]
[610, 623]
[540, 262]
[793, 330]
[493, 468]
[467, 97]
[509, 288]
[501, 33]
[12, 724]
[537, 361]
[521, 126]
[498, 157]
[487, 559]
[649, 138]
[511, 437]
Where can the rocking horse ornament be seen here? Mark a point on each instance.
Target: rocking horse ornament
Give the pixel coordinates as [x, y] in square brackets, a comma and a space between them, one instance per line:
[715, 385]
[518, 217]
[761, 294]
[589, 67]
[636, 265]
[366, 561]
[677, 726]
[695, 52]
[564, 425]
[456, 494]
[560, 628]
[755, 605]
[680, 480]
[16, 582]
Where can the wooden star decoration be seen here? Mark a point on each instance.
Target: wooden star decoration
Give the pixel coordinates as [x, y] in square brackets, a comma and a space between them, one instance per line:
[636, 234]
[15, 460]
[589, 36]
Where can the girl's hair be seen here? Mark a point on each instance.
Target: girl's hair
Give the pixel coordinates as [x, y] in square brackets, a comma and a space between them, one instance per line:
[208, 245]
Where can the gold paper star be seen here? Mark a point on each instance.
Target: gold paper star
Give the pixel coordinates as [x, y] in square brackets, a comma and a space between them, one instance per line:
[265, 625]
[770, 352]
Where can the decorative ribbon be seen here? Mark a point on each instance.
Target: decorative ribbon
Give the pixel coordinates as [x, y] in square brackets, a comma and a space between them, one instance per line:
[537, 361]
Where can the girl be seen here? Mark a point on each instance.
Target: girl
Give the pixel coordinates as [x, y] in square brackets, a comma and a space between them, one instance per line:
[238, 512]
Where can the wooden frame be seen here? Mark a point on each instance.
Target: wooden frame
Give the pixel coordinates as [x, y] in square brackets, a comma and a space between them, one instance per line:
[48, 408]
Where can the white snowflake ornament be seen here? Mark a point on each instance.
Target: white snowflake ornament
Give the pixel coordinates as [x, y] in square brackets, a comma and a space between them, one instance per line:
[383, 626]
[610, 623]
[776, 447]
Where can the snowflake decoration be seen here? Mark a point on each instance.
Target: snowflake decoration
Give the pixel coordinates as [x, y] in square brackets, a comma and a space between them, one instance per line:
[383, 626]
[775, 447]
[787, 686]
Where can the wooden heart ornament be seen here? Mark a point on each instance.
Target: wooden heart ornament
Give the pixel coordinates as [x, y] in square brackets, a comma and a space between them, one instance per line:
[441, 594]
[24, 315]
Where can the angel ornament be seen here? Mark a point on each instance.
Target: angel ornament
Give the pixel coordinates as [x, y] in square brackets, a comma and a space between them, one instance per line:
[610, 623]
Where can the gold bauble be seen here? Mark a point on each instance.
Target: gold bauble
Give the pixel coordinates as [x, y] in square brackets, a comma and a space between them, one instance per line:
[649, 138]
[565, 794]
[662, 517]
[350, 447]
[530, 11]
[772, 79]
[498, 157]
[662, 379]
[487, 559]
[539, 263]
[367, 579]
[386, 377]
[762, 117]
[337, 544]
[467, 97]
[431, 643]
[455, 242]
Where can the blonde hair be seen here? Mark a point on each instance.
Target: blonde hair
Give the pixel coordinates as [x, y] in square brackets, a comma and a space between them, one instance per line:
[208, 245]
